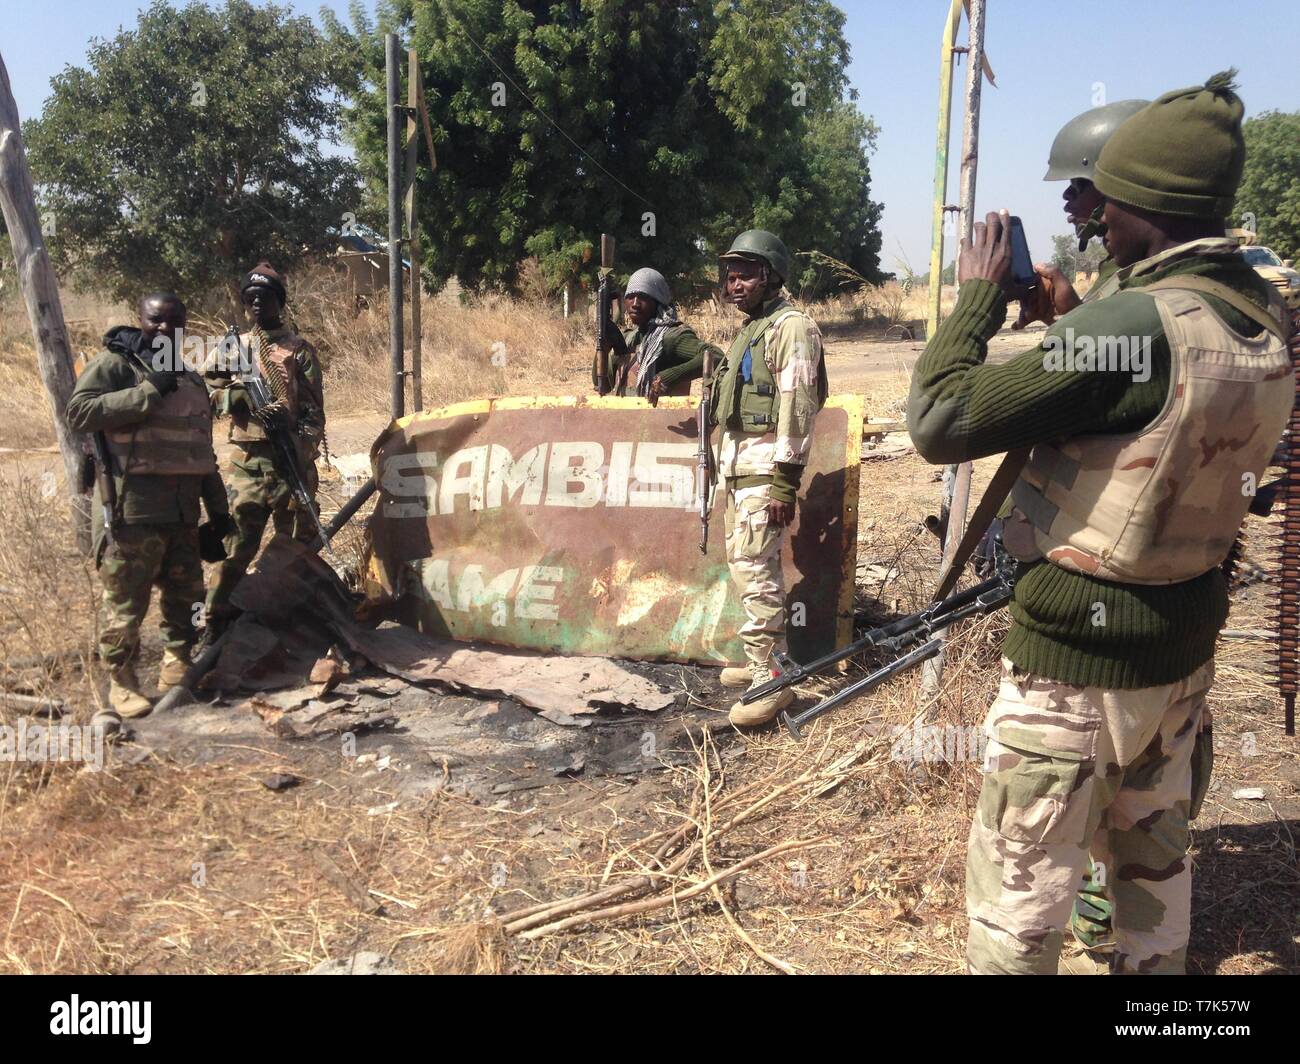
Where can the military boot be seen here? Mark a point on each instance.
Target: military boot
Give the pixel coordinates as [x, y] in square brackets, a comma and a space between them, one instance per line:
[174, 664]
[760, 712]
[732, 676]
[124, 693]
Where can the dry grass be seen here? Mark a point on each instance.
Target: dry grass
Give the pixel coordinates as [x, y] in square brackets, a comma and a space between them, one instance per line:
[760, 854]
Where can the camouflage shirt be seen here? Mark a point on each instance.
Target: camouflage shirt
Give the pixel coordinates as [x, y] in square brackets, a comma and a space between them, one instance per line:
[793, 353]
[229, 398]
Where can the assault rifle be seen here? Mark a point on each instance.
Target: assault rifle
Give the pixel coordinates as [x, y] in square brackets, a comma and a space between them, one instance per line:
[266, 409]
[704, 471]
[909, 639]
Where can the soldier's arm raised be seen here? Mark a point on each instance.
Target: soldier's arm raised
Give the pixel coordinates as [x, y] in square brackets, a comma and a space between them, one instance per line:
[107, 396]
[961, 409]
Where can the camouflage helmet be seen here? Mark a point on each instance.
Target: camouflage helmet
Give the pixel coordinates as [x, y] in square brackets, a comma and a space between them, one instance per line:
[764, 246]
[1076, 147]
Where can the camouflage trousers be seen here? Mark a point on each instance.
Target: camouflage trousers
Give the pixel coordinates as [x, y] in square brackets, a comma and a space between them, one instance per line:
[754, 558]
[140, 557]
[1073, 771]
[258, 494]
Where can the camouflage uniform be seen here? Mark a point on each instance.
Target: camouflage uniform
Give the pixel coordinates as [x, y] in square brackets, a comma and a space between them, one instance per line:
[258, 491]
[161, 449]
[1072, 768]
[767, 421]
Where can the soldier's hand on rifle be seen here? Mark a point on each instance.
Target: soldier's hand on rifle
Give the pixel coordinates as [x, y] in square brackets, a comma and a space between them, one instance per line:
[1048, 300]
[987, 254]
[780, 514]
[657, 390]
[274, 414]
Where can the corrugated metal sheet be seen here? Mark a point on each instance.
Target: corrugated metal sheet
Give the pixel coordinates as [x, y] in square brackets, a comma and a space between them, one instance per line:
[569, 524]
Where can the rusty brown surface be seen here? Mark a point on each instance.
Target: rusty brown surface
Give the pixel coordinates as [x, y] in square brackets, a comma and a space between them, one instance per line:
[569, 525]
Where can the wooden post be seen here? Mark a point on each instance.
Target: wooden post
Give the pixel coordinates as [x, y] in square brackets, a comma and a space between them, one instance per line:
[957, 478]
[395, 315]
[41, 294]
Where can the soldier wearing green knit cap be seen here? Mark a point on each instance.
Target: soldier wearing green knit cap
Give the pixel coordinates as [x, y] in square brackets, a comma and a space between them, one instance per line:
[1143, 414]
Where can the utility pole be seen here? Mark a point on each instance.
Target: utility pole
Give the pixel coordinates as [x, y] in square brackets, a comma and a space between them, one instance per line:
[41, 294]
[957, 478]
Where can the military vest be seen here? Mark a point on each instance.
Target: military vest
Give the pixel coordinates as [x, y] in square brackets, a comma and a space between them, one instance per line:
[748, 404]
[174, 440]
[1164, 505]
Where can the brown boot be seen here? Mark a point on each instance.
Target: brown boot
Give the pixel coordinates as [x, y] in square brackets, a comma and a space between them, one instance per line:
[736, 677]
[765, 709]
[174, 665]
[124, 693]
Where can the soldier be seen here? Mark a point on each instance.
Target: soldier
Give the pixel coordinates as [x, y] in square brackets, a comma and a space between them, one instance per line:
[156, 426]
[260, 491]
[766, 393]
[1073, 158]
[1146, 412]
[658, 354]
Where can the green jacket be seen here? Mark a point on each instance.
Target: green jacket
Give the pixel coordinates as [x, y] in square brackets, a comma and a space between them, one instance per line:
[112, 392]
[961, 409]
[680, 361]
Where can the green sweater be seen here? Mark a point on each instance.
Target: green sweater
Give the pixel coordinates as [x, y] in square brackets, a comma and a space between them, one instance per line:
[961, 409]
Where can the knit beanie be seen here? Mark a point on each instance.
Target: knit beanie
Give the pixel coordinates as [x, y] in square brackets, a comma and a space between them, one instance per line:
[1181, 154]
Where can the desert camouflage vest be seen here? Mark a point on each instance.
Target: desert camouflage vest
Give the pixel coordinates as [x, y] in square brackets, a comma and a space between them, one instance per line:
[174, 440]
[277, 362]
[1164, 505]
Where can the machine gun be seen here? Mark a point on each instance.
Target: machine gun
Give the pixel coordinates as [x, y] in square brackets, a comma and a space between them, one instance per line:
[909, 639]
[704, 471]
[266, 408]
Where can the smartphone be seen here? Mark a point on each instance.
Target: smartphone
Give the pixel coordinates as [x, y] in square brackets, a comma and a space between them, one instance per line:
[1022, 266]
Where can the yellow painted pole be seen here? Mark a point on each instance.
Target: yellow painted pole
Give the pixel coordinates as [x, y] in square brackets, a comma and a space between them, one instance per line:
[941, 166]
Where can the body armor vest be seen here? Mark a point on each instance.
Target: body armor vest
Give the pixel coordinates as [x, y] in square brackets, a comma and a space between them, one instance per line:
[174, 440]
[1164, 505]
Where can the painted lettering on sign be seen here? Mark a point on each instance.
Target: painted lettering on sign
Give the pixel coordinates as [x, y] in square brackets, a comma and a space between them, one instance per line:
[570, 473]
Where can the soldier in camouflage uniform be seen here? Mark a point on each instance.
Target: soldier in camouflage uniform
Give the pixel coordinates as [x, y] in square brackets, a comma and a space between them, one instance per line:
[1128, 505]
[766, 393]
[156, 427]
[260, 492]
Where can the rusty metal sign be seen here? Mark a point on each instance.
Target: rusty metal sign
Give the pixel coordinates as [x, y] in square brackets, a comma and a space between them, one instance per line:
[569, 524]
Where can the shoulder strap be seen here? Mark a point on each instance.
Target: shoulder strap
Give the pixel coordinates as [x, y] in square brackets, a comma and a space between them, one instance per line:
[1206, 286]
[990, 502]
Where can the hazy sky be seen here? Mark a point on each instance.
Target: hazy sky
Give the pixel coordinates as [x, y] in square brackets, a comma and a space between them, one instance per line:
[1134, 48]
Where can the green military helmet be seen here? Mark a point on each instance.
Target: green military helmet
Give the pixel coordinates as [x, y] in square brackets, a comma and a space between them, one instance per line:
[760, 244]
[1079, 143]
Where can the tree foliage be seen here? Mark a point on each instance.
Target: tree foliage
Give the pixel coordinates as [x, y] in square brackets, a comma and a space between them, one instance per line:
[190, 148]
[1270, 184]
[672, 125]
[1067, 257]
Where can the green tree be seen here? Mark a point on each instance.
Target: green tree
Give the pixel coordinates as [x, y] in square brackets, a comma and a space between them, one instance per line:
[671, 125]
[190, 147]
[1269, 195]
[1067, 257]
